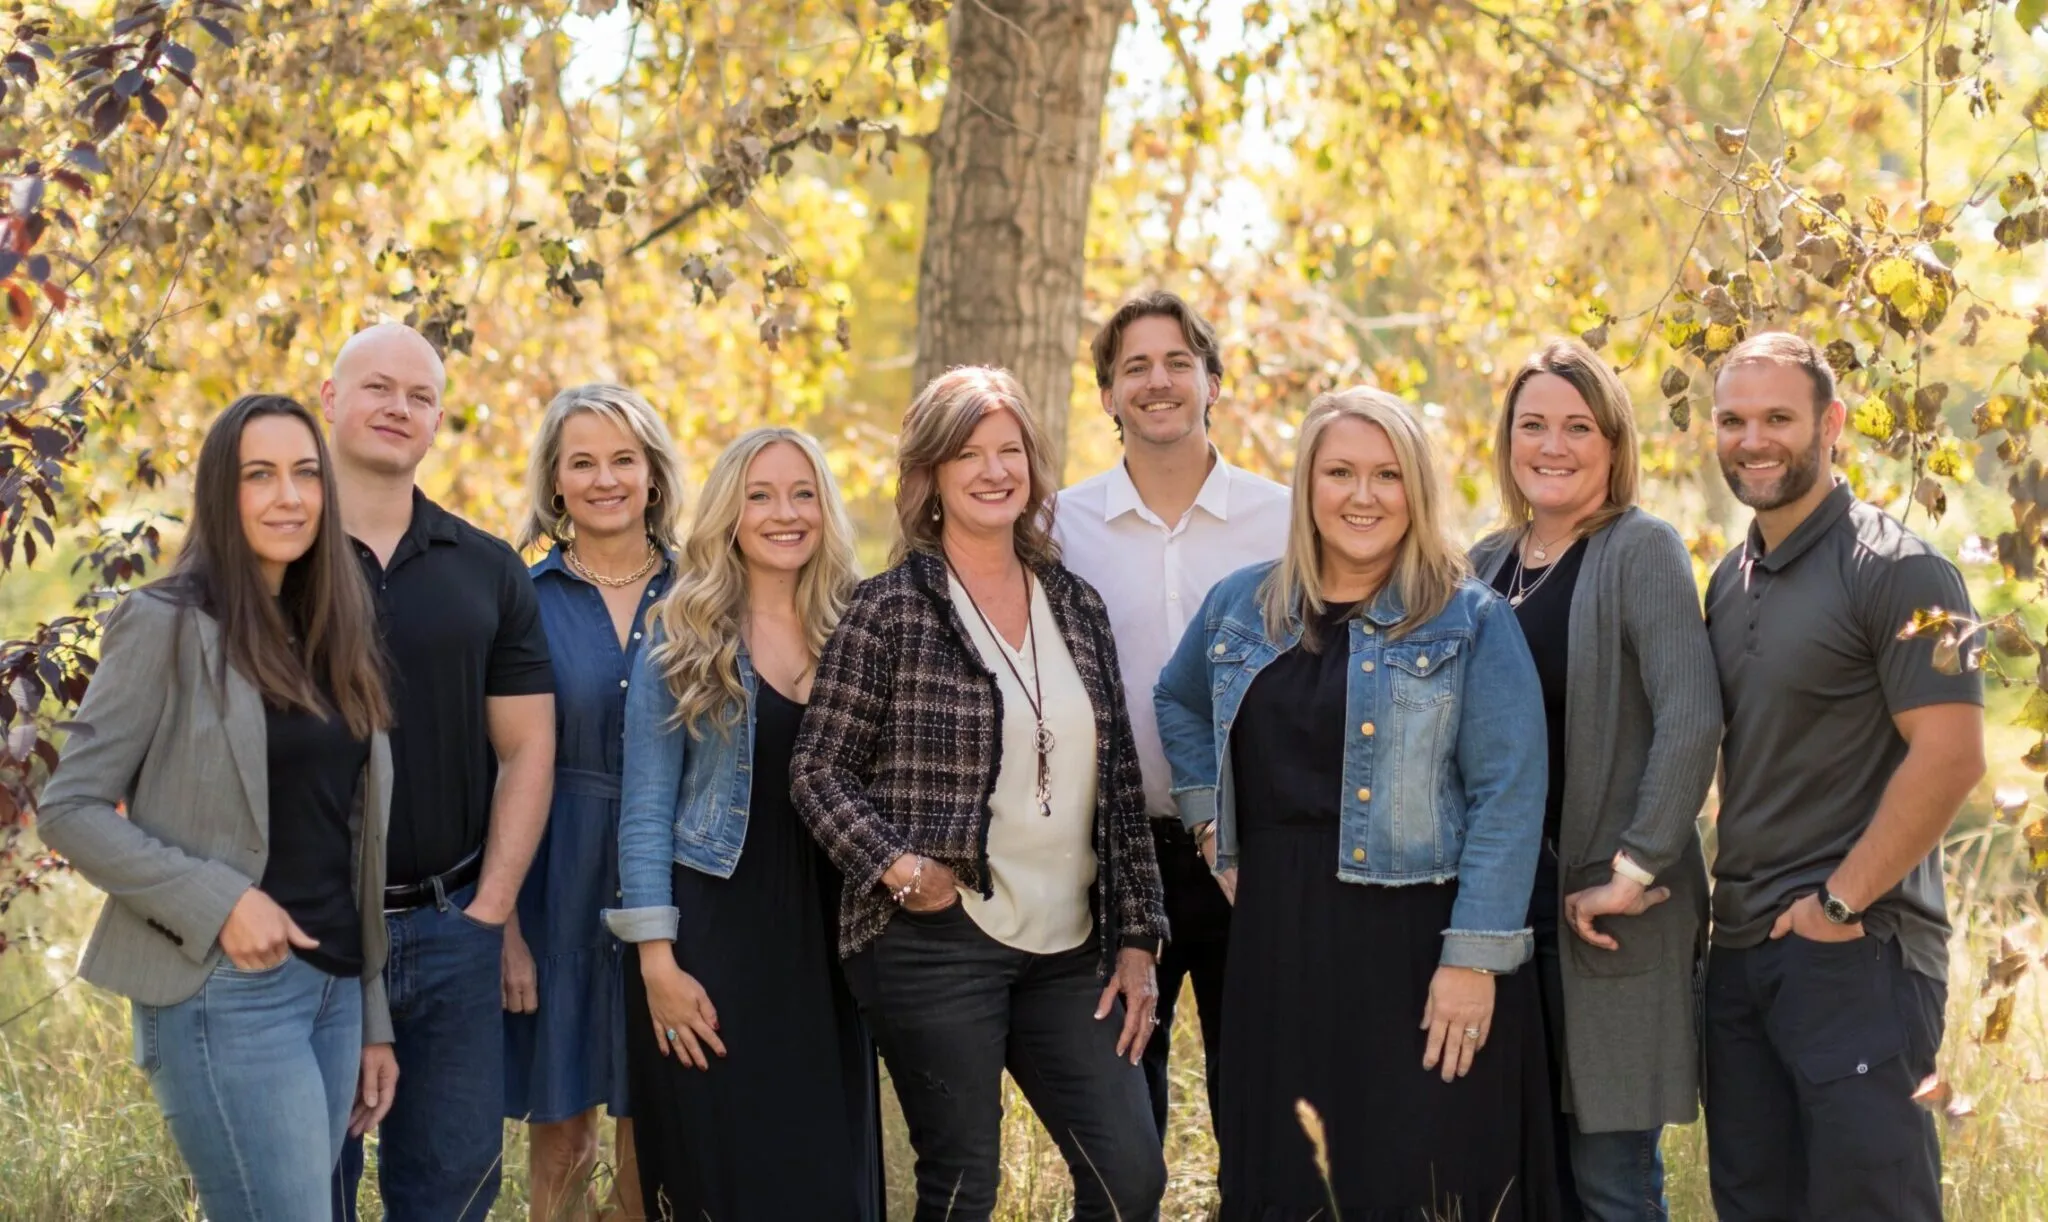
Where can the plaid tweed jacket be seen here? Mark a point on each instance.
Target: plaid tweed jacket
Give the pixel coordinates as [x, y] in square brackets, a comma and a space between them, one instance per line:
[902, 742]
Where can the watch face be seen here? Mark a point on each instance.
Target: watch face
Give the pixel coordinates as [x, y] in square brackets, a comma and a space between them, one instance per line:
[1835, 910]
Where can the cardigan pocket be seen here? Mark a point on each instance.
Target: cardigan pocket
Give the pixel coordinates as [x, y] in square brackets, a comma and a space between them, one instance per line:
[1641, 938]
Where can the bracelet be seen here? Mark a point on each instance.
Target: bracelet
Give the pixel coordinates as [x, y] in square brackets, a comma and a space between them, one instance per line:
[1204, 834]
[1626, 866]
[903, 892]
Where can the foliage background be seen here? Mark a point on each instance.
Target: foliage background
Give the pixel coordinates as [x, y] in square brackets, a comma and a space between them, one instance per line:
[722, 204]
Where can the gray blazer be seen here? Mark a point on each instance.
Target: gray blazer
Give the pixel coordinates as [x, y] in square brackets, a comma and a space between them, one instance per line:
[1642, 730]
[194, 774]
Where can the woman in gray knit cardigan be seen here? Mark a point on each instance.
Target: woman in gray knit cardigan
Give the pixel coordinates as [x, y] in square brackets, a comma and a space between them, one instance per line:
[1606, 597]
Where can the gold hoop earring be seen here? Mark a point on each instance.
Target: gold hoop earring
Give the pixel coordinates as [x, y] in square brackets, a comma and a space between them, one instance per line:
[654, 494]
[559, 505]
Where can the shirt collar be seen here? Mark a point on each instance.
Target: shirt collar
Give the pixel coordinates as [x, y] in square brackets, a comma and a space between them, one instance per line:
[1387, 608]
[1121, 496]
[430, 522]
[1804, 535]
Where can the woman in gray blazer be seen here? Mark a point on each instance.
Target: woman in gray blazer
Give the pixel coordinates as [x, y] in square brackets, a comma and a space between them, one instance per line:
[1607, 601]
[238, 711]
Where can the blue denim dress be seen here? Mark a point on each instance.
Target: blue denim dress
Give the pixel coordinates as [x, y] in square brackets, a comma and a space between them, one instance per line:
[570, 1055]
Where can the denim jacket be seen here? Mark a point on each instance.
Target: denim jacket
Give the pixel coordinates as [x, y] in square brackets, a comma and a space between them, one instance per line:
[1444, 776]
[682, 800]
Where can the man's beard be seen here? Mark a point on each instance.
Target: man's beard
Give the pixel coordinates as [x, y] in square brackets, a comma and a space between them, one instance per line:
[1802, 470]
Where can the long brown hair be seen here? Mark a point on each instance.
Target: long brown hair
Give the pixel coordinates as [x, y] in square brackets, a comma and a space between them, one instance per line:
[1605, 397]
[935, 430]
[322, 625]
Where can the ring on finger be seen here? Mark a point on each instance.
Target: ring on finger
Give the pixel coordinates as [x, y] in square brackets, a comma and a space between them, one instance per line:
[1471, 1033]
[672, 1035]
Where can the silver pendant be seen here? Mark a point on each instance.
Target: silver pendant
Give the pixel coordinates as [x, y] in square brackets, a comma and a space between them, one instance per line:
[1540, 554]
[1514, 600]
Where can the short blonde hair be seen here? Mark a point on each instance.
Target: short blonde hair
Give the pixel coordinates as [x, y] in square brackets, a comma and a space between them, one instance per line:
[935, 430]
[1427, 568]
[634, 416]
[1612, 410]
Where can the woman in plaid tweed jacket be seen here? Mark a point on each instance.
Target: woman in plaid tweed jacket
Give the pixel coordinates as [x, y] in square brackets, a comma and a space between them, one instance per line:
[901, 771]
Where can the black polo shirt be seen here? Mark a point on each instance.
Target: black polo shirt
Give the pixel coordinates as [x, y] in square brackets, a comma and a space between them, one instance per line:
[460, 624]
[1812, 672]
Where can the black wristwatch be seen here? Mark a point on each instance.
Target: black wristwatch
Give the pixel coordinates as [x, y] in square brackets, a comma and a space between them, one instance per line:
[1835, 910]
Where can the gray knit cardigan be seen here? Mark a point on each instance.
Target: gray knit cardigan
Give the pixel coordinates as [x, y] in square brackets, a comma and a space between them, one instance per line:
[1642, 730]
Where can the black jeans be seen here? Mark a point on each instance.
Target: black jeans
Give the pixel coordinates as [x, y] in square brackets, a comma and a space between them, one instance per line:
[1199, 917]
[1814, 1050]
[951, 1008]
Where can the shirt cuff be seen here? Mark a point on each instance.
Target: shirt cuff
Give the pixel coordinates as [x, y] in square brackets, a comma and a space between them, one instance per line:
[1626, 866]
[642, 924]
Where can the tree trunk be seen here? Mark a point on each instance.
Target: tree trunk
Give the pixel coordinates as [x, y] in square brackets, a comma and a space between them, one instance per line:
[999, 280]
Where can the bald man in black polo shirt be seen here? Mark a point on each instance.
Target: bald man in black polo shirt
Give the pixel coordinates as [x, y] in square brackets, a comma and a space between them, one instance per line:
[473, 755]
[1846, 757]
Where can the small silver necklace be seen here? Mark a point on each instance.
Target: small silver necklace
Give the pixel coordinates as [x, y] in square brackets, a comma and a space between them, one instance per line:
[1541, 550]
[1518, 591]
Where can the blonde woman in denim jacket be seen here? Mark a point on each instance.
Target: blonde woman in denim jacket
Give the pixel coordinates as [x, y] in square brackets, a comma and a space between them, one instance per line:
[1356, 738]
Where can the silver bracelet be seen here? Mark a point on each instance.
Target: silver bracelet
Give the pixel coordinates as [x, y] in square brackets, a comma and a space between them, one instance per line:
[903, 892]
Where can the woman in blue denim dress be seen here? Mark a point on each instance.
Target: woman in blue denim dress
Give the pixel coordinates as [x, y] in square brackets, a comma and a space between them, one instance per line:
[604, 484]
[1356, 739]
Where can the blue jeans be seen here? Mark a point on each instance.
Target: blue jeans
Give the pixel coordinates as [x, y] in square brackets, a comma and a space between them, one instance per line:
[1619, 1177]
[439, 1148]
[255, 1074]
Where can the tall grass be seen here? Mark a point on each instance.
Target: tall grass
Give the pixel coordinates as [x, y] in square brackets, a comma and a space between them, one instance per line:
[80, 1137]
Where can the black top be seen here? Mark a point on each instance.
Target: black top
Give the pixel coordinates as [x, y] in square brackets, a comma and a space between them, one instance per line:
[1806, 639]
[460, 623]
[1287, 749]
[316, 766]
[1545, 614]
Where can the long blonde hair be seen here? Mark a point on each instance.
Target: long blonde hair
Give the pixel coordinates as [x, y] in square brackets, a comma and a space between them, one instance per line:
[935, 430]
[633, 416]
[1605, 397]
[700, 616]
[1426, 570]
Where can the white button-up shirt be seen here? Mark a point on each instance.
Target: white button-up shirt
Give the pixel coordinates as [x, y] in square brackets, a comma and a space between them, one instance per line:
[1153, 575]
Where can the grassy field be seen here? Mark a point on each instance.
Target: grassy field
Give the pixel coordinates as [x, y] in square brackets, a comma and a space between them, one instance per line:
[80, 1137]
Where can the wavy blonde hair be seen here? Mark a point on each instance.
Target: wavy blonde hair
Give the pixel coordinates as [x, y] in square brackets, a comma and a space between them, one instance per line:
[633, 416]
[1427, 568]
[700, 616]
[1606, 398]
[935, 430]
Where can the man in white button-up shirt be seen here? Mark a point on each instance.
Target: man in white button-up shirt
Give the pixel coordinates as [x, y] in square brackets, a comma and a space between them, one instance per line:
[1152, 534]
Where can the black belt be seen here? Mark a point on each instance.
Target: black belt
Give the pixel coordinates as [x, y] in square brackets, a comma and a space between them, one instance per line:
[434, 889]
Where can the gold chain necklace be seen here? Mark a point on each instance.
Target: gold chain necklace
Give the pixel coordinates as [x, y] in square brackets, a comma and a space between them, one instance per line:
[596, 578]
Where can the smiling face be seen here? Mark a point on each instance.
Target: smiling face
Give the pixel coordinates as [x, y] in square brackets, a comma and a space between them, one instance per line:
[1162, 390]
[1773, 443]
[384, 400]
[985, 487]
[280, 492]
[1359, 504]
[782, 518]
[1561, 461]
[601, 477]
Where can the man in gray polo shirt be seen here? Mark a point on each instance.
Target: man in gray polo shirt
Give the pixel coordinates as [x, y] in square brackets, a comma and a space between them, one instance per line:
[1848, 753]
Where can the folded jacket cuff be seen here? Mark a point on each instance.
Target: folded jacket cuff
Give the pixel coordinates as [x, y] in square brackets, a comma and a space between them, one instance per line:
[642, 924]
[1488, 951]
[1197, 806]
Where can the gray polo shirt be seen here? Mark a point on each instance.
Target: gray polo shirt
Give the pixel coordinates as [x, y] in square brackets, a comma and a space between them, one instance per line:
[1812, 672]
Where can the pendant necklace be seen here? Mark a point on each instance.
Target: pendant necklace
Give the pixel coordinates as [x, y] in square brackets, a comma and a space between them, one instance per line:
[1540, 550]
[1517, 590]
[1042, 738]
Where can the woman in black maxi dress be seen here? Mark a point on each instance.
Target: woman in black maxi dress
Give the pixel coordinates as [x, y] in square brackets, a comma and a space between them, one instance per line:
[1326, 973]
[798, 1064]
